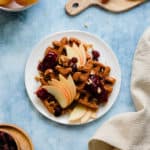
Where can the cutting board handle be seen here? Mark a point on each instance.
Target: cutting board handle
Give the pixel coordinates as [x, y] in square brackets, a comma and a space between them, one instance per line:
[74, 7]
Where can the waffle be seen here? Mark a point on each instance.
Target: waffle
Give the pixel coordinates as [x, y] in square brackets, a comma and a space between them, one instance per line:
[92, 80]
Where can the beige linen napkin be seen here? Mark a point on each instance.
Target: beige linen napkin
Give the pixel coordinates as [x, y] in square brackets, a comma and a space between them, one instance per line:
[131, 131]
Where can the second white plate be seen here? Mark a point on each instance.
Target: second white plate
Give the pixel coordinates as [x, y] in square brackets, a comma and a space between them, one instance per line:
[107, 57]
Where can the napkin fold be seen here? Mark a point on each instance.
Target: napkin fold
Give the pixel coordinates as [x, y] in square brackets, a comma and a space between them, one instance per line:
[131, 131]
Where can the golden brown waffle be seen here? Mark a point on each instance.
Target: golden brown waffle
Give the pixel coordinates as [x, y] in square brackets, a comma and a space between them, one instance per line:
[81, 76]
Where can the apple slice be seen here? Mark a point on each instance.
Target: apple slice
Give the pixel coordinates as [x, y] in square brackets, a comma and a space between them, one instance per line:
[94, 115]
[73, 53]
[67, 85]
[83, 54]
[62, 86]
[76, 49]
[78, 112]
[78, 52]
[86, 117]
[72, 85]
[58, 94]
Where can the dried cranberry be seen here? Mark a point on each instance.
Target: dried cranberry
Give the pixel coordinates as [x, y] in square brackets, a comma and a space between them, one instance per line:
[73, 63]
[95, 55]
[94, 84]
[42, 94]
[40, 67]
[74, 60]
[74, 67]
[58, 111]
[48, 62]
[51, 98]
[95, 79]
[103, 97]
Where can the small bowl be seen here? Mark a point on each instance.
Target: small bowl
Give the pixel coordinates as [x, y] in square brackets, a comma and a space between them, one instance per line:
[14, 7]
[21, 139]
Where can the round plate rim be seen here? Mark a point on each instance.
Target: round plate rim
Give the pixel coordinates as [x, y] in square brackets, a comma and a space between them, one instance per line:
[80, 32]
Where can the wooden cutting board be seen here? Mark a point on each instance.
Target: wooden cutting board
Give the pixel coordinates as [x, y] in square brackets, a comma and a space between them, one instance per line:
[73, 7]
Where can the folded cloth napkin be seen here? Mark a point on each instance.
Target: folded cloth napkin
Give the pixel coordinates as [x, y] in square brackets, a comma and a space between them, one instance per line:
[131, 131]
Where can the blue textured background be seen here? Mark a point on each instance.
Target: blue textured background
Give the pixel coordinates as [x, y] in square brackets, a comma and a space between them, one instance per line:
[19, 32]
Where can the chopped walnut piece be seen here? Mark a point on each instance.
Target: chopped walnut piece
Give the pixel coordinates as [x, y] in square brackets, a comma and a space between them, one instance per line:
[87, 46]
[43, 82]
[50, 105]
[110, 80]
[64, 41]
[108, 88]
[37, 78]
[64, 71]
[74, 40]
[50, 49]
[56, 44]
[76, 76]
[49, 74]
[48, 71]
[61, 50]
[84, 77]
[63, 60]
[106, 71]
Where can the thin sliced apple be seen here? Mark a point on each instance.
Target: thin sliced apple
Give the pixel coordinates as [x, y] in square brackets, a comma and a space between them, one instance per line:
[94, 115]
[83, 54]
[71, 52]
[72, 85]
[62, 86]
[64, 80]
[86, 117]
[77, 51]
[78, 112]
[58, 94]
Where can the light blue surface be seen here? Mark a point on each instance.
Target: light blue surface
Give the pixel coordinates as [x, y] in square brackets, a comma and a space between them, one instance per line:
[19, 32]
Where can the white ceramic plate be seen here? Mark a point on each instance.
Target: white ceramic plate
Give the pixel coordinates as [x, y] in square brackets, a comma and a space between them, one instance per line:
[107, 57]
